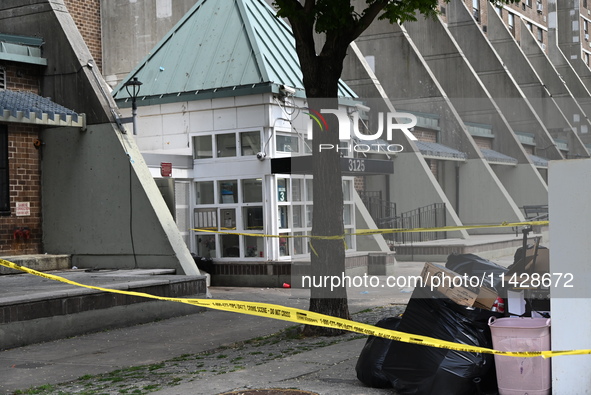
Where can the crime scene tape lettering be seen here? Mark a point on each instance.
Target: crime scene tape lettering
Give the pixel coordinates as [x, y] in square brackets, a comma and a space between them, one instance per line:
[309, 318]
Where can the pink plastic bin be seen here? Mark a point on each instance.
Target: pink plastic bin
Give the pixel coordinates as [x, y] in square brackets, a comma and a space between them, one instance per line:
[520, 376]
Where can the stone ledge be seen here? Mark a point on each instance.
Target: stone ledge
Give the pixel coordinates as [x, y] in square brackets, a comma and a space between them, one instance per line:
[39, 262]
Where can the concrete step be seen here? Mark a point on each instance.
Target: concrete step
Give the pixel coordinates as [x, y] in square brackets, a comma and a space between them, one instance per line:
[34, 309]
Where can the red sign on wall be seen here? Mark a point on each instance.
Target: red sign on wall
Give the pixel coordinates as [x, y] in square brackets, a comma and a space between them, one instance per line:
[165, 169]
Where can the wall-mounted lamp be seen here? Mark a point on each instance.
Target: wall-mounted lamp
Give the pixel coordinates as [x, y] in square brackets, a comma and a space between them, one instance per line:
[133, 89]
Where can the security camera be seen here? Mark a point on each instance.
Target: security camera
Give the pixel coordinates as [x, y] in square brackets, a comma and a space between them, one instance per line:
[361, 107]
[261, 156]
[89, 64]
[287, 90]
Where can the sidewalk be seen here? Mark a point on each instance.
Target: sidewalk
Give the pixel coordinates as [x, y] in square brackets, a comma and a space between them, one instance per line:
[327, 370]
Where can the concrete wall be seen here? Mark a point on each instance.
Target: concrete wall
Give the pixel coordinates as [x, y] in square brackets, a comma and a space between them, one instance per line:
[132, 28]
[412, 185]
[363, 220]
[433, 67]
[570, 216]
[91, 178]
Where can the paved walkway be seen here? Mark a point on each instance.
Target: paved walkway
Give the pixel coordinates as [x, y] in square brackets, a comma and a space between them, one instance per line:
[330, 370]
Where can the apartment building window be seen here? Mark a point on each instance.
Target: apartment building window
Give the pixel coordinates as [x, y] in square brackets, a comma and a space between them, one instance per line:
[499, 11]
[4, 182]
[476, 9]
[2, 78]
[587, 58]
[586, 29]
[540, 35]
[584, 3]
[528, 3]
[511, 22]
[530, 26]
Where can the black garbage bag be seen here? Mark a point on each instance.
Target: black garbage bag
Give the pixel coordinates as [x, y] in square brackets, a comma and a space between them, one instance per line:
[416, 369]
[473, 265]
[369, 364]
[203, 264]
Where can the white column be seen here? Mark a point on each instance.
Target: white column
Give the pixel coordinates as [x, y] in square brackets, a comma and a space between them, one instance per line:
[570, 252]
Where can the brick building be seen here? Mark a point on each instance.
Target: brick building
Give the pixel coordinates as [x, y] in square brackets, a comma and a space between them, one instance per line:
[20, 231]
[20, 142]
[24, 114]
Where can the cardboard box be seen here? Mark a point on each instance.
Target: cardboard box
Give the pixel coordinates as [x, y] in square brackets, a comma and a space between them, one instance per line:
[542, 260]
[457, 287]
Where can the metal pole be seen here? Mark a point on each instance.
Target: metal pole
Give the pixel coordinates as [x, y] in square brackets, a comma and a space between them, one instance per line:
[134, 114]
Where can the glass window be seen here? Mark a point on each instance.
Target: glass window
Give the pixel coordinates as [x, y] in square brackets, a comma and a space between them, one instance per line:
[250, 143]
[228, 191]
[228, 218]
[297, 216]
[206, 246]
[309, 190]
[283, 245]
[287, 143]
[299, 244]
[511, 20]
[540, 34]
[347, 214]
[252, 190]
[253, 217]
[202, 147]
[254, 246]
[282, 191]
[206, 218]
[204, 192]
[307, 146]
[296, 189]
[283, 217]
[226, 145]
[348, 240]
[346, 190]
[309, 211]
[230, 246]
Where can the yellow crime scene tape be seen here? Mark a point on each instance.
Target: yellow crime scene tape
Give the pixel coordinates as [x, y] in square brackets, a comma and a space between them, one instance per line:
[300, 316]
[368, 232]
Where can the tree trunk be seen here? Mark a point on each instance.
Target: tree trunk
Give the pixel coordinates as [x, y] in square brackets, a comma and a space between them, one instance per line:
[327, 255]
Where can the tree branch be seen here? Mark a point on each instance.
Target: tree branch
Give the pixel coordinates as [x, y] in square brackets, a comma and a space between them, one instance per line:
[366, 19]
[344, 35]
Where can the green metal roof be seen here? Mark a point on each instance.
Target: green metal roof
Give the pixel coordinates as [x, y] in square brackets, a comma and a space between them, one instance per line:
[21, 49]
[220, 48]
